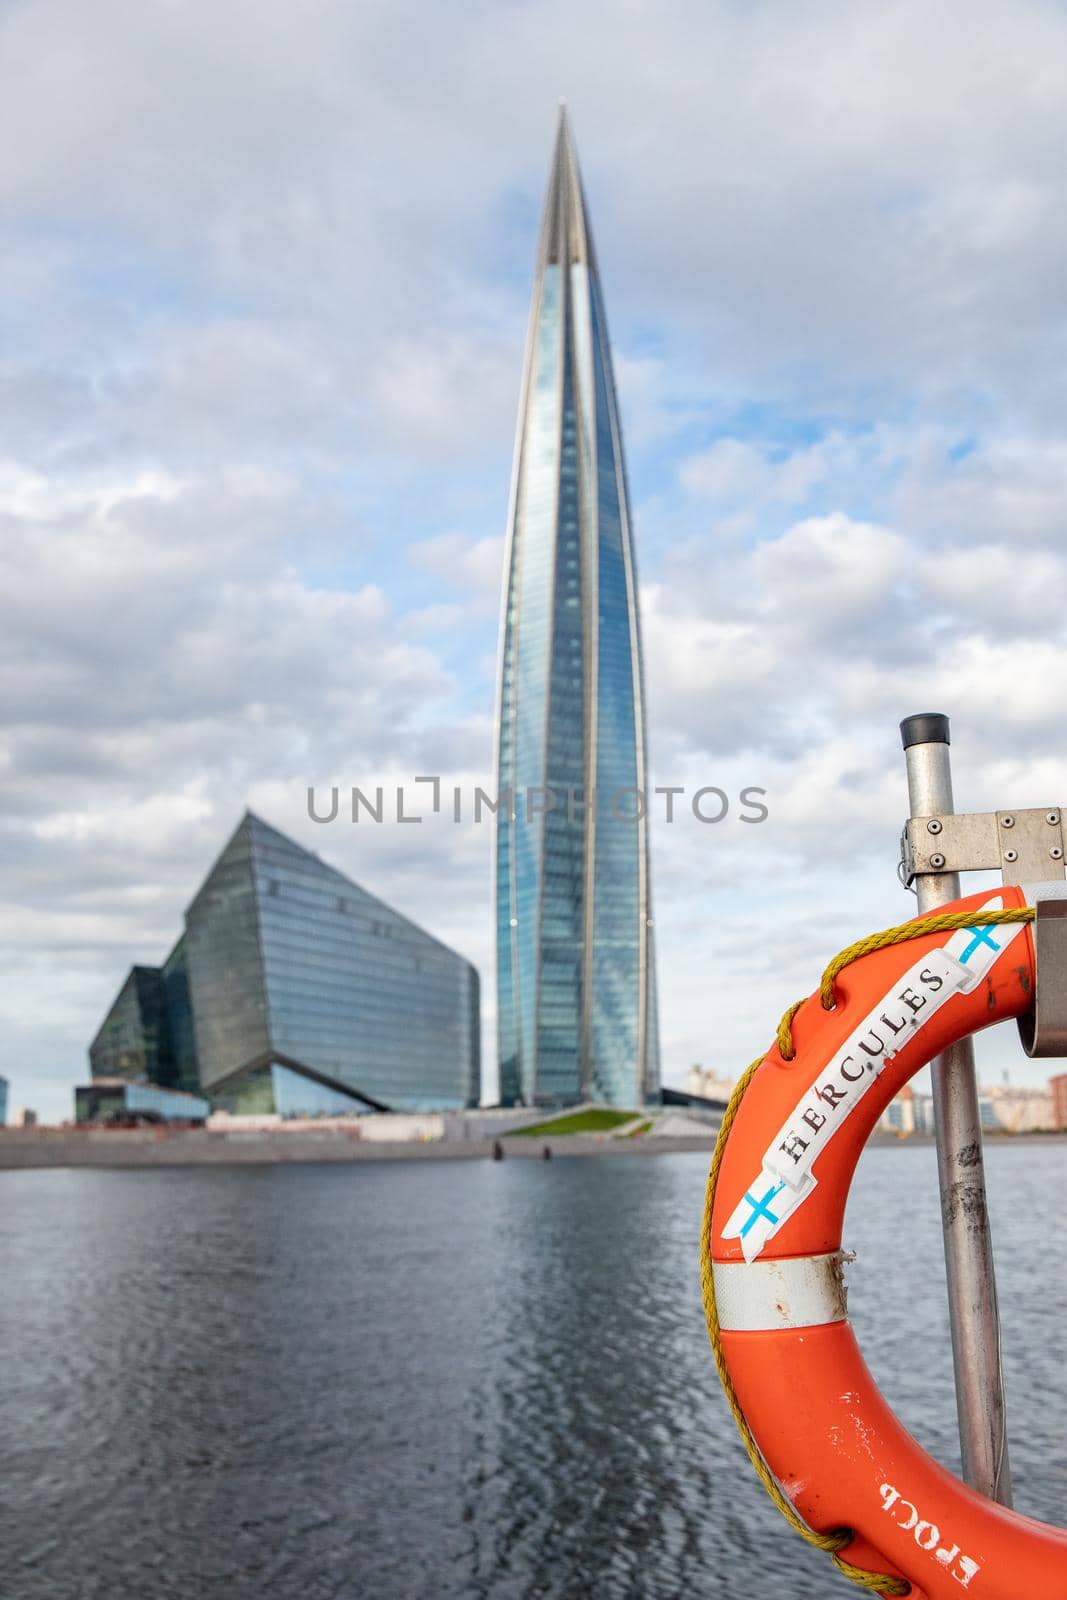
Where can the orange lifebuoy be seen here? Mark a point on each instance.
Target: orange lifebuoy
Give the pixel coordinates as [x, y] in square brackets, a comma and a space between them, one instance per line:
[823, 1427]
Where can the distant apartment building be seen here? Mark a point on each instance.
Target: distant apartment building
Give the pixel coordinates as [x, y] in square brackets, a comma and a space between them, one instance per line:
[908, 1113]
[707, 1086]
[1003, 1108]
[292, 990]
[1017, 1109]
[1058, 1090]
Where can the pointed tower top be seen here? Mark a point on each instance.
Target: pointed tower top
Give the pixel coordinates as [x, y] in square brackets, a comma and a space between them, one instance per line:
[565, 232]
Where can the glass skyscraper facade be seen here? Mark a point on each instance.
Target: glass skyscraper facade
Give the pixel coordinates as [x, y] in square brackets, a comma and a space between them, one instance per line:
[293, 990]
[576, 984]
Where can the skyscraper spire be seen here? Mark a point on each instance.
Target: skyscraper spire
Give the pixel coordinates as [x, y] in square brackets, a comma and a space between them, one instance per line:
[564, 236]
[576, 974]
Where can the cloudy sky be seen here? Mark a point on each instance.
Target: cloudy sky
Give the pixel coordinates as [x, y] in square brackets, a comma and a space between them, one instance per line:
[266, 271]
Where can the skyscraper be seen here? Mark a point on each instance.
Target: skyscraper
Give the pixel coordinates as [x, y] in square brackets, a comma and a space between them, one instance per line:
[576, 985]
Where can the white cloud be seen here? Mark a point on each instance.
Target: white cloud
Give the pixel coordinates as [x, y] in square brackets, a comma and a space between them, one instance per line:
[1009, 488]
[827, 572]
[473, 566]
[435, 397]
[735, 469]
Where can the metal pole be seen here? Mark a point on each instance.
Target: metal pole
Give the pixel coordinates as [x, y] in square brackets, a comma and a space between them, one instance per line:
[972, 1292]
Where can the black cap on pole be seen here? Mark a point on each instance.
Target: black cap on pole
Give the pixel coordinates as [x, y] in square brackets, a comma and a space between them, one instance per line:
[926, 727]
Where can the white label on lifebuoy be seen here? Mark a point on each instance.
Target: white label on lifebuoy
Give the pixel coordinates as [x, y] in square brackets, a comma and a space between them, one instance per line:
[794, 1292]
[786, 1179]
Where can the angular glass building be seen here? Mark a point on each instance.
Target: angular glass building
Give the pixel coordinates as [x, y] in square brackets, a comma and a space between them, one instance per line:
[293, 990]
[135, 1039]
[576, 984]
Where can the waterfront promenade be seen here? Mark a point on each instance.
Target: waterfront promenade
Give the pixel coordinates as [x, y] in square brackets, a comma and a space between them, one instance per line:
[189, 1147]
[161, 1147]
[475, 1133]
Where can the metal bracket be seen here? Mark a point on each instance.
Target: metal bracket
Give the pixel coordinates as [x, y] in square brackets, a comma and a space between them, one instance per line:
[1025, 846]
[1043, 1031]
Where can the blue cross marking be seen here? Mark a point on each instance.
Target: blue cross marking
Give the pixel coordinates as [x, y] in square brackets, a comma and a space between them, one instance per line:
[760, 1208]
[981, 936]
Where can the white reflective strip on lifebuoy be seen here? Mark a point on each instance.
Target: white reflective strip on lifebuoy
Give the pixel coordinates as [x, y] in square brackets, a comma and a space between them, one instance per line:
[794, 1292]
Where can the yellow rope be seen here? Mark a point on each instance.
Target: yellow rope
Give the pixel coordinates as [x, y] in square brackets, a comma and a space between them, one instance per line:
[833, 1543]
[939, 922]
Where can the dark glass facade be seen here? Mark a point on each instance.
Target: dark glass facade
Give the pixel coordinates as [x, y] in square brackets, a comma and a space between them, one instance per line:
[576, 987]
[3, 1102]
[294, 990]
[134, 1039]
[175, 979]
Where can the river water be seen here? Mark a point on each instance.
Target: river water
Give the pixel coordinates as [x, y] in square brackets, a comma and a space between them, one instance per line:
[424, 1379]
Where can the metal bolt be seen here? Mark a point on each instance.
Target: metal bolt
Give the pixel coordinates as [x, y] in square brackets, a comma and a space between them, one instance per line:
[1007, 822]
[933, 826]
[1011, 855]
[1052, 818]
[1056, 853]
[937, 860]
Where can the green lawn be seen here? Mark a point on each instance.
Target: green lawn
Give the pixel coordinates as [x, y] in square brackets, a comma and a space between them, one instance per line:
[642, 1127]
[597, 1119]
